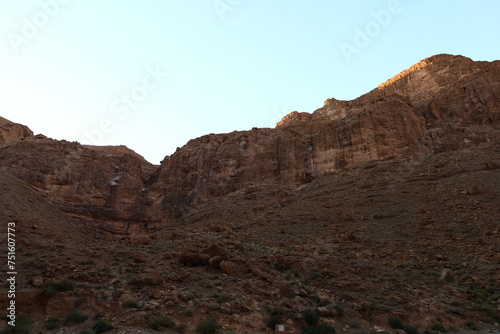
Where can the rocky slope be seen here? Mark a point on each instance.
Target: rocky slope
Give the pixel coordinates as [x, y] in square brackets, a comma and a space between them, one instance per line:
[385, 239]
[384, 206]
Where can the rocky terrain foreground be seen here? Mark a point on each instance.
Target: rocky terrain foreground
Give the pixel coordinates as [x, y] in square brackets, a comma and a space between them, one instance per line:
[377, 214]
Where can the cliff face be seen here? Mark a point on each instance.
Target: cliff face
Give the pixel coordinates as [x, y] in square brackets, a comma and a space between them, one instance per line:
[104, 185]
[443, 103]
[10, 131]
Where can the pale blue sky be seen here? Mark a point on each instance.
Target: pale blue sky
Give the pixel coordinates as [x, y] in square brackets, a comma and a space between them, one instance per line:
[82, 70]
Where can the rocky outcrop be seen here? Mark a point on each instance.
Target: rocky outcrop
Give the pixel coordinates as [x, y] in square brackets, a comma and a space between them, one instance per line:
[454, 95]
[442, 103]
[105, 184]
[10, 131]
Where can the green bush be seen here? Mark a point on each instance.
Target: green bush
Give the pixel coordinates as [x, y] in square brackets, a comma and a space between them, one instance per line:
[162, 321]
[438, 327]
[340, 310]
[311, 317]
[395, 323]
[101, 326]
[410, 329]
[274, 320]
[23, 326]
[353, 323]
[52, 323]
[274, 310]
[49, 289]
[131, 303]
[309, 330]
[222, 298]
[87, 331]
[472, 325]
[75, 318]
[325, 329]
[207, 327]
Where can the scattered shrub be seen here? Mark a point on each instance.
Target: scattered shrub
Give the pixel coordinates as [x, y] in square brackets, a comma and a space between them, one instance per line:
[325, 329]
[311, 317]
[23, 326]
[222, 298]
[340, 310]
[353, 323]
[274, 320]
[131, 303]
[101, 326]
[75, 318]
[438, 327]
[274, 310]
[309, 330]
[410, 329]
[321, 329]
[87, 331]
[207, 327]
[162, 321]
[52, 323]
[395, 323]
[49, 289]
[472, 325]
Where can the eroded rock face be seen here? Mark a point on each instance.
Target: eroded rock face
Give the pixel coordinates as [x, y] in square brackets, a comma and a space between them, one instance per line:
[442, 103]
[104, 184]
[10, 131]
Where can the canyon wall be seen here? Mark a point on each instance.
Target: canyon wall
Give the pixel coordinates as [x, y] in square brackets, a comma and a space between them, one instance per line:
[443, 103]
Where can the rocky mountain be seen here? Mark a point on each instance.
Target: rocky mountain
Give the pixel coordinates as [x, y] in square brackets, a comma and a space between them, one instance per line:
[443, 103]
[386, 206]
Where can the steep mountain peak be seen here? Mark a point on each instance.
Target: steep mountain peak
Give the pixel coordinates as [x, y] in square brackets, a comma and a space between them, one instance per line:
[439, 61]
